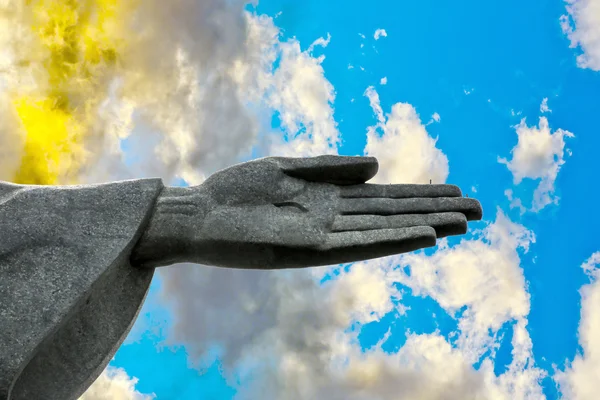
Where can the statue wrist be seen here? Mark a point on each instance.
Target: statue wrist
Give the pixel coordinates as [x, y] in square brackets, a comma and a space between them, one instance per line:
[177, 215]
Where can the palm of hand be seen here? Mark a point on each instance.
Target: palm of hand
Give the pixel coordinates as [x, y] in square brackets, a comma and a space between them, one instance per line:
[297, 212]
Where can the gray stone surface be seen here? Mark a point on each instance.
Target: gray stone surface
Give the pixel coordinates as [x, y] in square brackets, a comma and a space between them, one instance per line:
[68, 295]
[274, 213]
[76, 262]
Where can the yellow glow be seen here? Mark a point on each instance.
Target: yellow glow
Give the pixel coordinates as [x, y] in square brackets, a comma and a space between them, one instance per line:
[51, 135]
[77, 44]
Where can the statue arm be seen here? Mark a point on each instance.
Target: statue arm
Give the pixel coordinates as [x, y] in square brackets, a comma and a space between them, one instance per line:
[162, 240]
[68, 294]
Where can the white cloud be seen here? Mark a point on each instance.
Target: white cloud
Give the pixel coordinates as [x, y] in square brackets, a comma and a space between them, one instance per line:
[383, 81]
[304, 99]
[406, 152]
[295, 343]
[522, 380]
[196, 82]
[293, 326]
[515, 202]
[483, 274]
[436, 117]
[427, 367]
[578, 381]
[590, 266]
[115, 384]
[380, 33]
[172, 70]
[544, 106]
[582, 26]
[375, 104]
[296, 90]
[213, 104]
[323, 42]
[538, 154]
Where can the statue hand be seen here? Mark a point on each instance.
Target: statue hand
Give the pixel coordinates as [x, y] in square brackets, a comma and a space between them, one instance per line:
[280, 212]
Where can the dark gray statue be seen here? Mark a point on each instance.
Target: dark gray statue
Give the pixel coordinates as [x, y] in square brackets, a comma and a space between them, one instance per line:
[76, 261]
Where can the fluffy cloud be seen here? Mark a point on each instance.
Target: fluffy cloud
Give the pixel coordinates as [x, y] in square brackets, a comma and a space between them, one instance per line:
[515, 202]
[303, 98]
[115, 384]
[172, 96]
[483, 274]
[582, 26]
[196, 77]
[427, 367]
[191, 105]
[295, 342]
[292, 325]
[538, 154]
[379, 33]
[544, 106]
[577, 382]
[483, 278]
[406, 152]
[296, 91]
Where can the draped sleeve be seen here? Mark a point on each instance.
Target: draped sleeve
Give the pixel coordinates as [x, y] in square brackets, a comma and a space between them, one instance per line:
[68, 294]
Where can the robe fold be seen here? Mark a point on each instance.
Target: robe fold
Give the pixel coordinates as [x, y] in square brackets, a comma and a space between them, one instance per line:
[68, 294]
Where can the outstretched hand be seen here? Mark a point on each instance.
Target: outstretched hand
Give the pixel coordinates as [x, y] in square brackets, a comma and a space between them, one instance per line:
[277, 212]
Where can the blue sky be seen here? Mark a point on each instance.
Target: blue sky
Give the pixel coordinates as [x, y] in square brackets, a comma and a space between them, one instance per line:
[481, 68]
